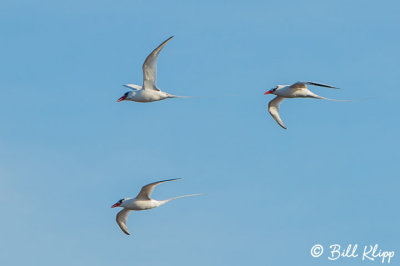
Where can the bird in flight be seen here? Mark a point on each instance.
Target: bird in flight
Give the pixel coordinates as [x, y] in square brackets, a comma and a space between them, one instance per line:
[141, 202]
[149, 91]
[297, 90]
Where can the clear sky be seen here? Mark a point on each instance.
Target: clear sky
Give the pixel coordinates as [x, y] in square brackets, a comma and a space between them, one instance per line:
[68, 151]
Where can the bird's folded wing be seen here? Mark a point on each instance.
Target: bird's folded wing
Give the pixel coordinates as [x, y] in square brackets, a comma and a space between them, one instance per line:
[121, 220]
[146, 190]
[273, 109]
[150, 67]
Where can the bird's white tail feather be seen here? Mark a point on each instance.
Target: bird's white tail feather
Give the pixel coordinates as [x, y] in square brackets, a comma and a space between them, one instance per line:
[315, 96]
[177, 96]
[335, 100]
[184, 196]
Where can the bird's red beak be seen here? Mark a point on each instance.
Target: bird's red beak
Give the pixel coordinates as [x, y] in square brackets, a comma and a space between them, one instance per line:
[116, 205]
[121, 99]
[267, 92]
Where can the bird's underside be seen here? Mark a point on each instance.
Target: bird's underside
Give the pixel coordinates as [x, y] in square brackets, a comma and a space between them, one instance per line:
[297, 90]
[142, 201]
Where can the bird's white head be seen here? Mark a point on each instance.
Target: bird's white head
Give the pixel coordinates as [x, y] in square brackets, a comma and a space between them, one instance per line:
[119, 203]
[271, 91]
[125, 96]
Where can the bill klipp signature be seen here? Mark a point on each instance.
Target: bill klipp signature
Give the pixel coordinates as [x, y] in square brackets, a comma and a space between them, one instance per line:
[365, 253]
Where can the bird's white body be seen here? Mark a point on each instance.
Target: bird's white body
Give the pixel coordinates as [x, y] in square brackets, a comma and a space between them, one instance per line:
[149, 91]
[146, 96]
[288, 91]
[297, 90]
[140, 203]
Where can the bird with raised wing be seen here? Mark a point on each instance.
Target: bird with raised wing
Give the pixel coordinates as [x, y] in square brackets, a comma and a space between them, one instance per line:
[297, 90]
[149, 91]
[141, 202]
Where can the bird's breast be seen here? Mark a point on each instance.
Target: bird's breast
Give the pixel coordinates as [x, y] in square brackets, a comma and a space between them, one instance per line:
[140, 205]
[145, 96]
[289, 93]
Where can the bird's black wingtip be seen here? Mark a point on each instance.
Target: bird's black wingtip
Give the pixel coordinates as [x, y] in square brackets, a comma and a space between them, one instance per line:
[173, 179]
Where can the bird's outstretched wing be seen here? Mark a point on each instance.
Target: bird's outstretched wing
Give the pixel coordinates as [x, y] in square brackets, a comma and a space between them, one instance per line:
[320, 84]
[146, 190]
[150, 67]
[303, 85]
[133, 87]
[273, 109]
[121, 220]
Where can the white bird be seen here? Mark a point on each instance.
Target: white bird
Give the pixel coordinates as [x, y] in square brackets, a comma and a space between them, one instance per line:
[149, 91]
[297, 90]
[140, 203]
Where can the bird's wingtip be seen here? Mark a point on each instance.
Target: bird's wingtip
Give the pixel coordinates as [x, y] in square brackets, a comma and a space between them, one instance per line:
[173, 179]
[282, 126]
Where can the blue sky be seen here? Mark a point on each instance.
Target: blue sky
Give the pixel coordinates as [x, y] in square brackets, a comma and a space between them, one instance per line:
[68, 151]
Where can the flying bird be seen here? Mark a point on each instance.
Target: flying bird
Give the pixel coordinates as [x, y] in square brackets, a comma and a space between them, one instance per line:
[140, 203]
[297, 90]
[149, 91]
